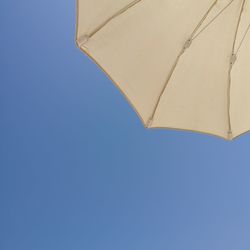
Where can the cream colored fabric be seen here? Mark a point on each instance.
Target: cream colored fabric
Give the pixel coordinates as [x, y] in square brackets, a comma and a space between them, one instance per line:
[139, 44]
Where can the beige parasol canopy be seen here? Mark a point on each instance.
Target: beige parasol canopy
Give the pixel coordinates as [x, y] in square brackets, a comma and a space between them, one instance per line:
[182, 64]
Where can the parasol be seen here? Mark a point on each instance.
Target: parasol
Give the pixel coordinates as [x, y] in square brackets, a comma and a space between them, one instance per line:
[182, 64]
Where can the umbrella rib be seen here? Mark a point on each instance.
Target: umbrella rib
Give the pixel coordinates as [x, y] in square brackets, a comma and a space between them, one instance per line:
[213, 19]
[232, 61]
[186, 45]
[118, 13]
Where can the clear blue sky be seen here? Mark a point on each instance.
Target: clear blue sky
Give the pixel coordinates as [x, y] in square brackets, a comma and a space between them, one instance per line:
[77, 169]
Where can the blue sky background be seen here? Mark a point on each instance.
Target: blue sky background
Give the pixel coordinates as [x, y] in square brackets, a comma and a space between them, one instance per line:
[77, 169]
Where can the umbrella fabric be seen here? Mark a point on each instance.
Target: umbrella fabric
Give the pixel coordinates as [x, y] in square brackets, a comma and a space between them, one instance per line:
[182, 64]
